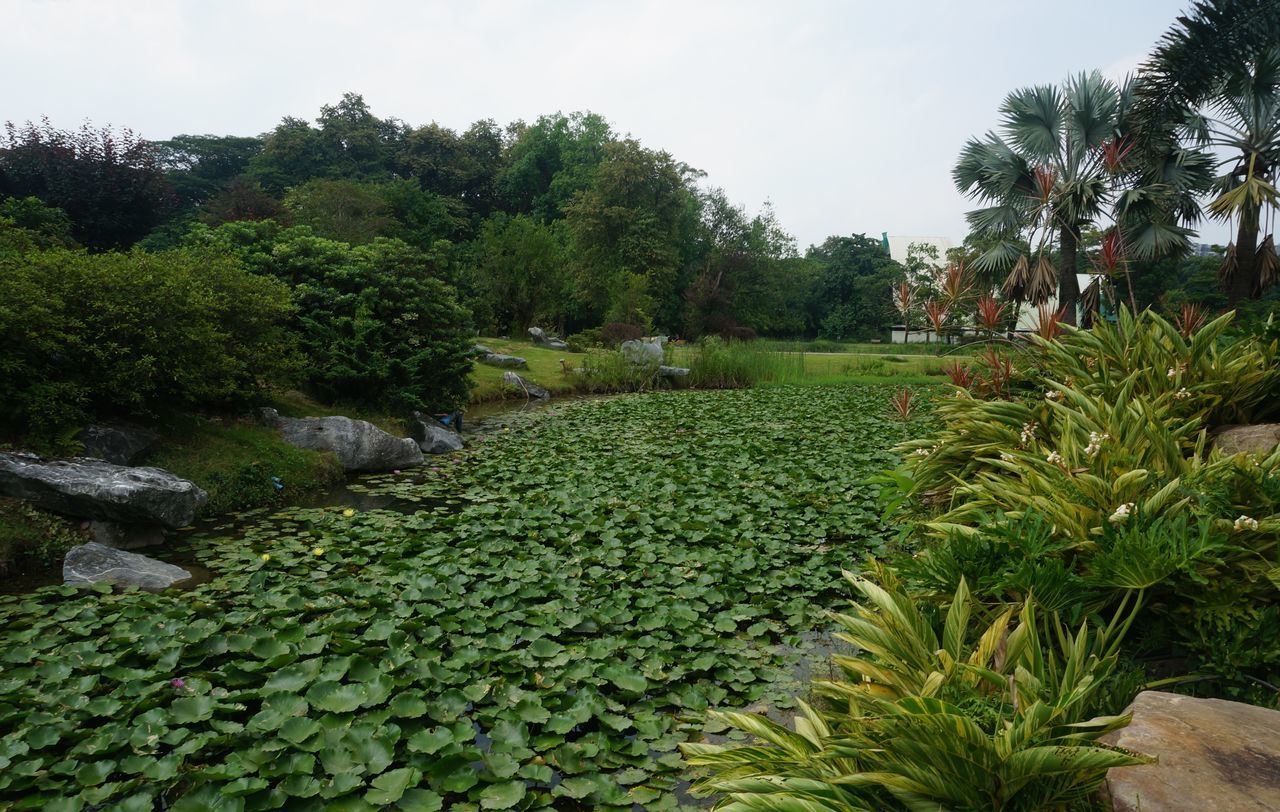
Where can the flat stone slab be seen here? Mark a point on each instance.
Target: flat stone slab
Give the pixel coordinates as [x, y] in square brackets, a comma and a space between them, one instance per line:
[96, 489]
[1213, 755]
[1261, 438]
[495, 359]
[95, 563]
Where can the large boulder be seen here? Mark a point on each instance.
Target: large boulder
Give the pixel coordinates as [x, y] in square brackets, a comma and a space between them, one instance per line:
[1257, 439]
[495, 359]
[1212, 754]
[642, 353]
[95, 563]
[480, 349]
[433, 436]
[119, 443]
[358, 444]
[96, 489]
[528, 387]
[543, 340]
[673, 372]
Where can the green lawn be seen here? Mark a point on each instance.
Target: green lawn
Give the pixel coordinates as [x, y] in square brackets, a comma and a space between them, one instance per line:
[544, 369]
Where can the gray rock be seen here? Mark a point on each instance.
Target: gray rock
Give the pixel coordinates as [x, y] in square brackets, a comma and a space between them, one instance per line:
[126, 536]
[480, 349]
[433, 436]
[95, 563]
[494, 359]
[358, 444]
[1212, 754]
[673, 372]
[543, 340]
[95, 489]
[1257, 439]
[530, 389]
[642, 353]
[119, 443]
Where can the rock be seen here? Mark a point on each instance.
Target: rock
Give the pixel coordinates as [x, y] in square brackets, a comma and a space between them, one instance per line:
[433, 436]
[642, 353]
[1213, 754]
[480, 349]
[494, 359]
[543, 340]
[1257, 439]
[126, 536]
[530, 389]
[95, 563]
[119, 443]
[358, 444]
[673, 372]
[95, 489]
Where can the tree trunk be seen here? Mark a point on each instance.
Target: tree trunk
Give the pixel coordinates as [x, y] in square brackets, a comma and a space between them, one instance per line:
[1244, 283]
[1068, 287]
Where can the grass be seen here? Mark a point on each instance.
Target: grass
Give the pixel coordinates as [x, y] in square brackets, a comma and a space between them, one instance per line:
[863, 347]
[235, 462]
[730, 366]
[32, 540]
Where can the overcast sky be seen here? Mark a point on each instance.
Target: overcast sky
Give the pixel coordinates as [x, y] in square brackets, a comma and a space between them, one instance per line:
[846, 115]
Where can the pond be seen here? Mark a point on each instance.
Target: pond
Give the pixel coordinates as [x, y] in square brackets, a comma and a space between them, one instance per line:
[535, 622]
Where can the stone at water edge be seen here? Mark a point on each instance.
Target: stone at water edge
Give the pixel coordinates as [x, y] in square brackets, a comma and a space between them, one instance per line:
[358, 444]
[528, 387]
[495, 359]
[1261, 438]
[1213, 755]
[126, 536]
[117, 443]
[433, 436]
[95, 563]
[673, 372]
[642, 353]
[95, 489]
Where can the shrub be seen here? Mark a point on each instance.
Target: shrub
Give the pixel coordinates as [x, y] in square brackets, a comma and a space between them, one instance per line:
[134, 334]
[934, 714]
[615, 332]
[585, 340]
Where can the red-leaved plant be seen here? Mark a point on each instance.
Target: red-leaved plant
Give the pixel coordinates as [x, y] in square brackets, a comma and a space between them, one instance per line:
[902, 404]
[990, 314]
[1189, 319]
[960, 375]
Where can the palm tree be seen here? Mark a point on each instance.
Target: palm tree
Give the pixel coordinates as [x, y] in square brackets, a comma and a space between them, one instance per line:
[1215, 77]
[1064, 160]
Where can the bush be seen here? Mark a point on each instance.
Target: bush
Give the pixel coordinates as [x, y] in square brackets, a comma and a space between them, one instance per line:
[1095, 479]
[935, 714]
[615, 332]
[134, 334]
[377, 326]
[585, 340]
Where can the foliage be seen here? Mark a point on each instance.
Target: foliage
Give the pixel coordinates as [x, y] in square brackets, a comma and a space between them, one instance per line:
[107, 183]
[572, 600]
[934, 716]
[520, 266]
[720, 364]
[1100, 481]
[857, 278]
[376, 325]
[32, 540]
[139, 333]
[614, 333]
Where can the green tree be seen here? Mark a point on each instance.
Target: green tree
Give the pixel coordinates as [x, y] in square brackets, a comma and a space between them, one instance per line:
[551, 161]
[344, 210]
[628, 228]
[199, 167]
[520, 266]
[857, 279]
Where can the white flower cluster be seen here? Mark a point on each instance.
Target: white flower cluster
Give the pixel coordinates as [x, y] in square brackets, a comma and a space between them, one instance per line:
[1245, 523]
[919, 452]
[1054, 457]
[1182, 394]
[1053, 394]
[1006, 456]
[1095, 442]
[1121, 514]
[1028, 433]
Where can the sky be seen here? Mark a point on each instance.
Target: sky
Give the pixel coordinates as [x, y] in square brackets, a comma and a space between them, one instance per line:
[846, 116]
